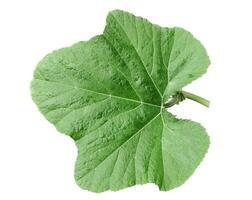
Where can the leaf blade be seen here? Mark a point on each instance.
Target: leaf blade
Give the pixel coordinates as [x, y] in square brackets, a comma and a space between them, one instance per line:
[107, 94]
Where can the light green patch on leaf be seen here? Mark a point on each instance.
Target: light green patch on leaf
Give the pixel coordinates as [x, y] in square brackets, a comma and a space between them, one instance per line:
[108, 94]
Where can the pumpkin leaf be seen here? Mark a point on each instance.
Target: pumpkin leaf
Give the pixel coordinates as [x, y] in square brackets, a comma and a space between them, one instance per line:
[108, 95]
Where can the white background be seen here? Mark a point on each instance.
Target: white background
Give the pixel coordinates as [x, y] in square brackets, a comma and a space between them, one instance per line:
[37, 162]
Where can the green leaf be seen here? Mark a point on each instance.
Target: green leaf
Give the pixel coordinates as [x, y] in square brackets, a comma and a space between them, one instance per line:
[108, 95]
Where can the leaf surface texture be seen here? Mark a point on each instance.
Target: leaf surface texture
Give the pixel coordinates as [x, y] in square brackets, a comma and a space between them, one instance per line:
[108, 94]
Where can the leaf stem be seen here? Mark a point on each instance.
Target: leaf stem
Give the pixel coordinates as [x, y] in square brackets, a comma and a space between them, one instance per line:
[196, 98]
[182, 95]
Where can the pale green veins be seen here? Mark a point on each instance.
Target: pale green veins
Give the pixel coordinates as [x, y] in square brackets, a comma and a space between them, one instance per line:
[109, 95]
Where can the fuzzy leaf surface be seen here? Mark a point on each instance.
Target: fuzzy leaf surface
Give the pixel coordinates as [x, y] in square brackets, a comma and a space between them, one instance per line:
[107, 94]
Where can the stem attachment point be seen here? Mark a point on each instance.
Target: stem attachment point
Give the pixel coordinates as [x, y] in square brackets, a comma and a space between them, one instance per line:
[182, 95]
